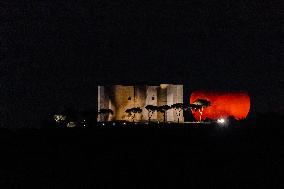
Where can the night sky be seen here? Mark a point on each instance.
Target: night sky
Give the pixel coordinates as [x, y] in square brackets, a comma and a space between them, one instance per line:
[55, 53]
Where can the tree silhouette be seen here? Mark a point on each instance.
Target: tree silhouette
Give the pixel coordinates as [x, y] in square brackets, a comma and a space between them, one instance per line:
[133, 111]
[163, 109]
[151, 109]
[178, 107]
[106, 113]
[202, 102]
[199, 105]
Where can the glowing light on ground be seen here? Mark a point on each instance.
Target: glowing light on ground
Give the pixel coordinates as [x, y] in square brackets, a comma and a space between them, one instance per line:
[221, 120]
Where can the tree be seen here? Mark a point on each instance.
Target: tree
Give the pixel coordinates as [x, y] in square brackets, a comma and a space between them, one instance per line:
[199, 105]
[202, 102]
[163, 109]
[178, 107]
[186, 107]
[133, 111]
[151, 109]
[106, 113]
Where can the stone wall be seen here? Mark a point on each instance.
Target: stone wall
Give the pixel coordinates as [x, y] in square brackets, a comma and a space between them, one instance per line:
[122, 97]
[151, 99]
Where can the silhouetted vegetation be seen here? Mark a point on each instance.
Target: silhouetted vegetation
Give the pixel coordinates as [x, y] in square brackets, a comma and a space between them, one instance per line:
[178, 107]
[199, 105]
[151, 109]
[133, 111]
[105, 113]
[163, 109]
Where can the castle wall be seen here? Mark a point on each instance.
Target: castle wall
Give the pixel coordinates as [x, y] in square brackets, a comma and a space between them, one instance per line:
[171, 90]
[121, 97]
[140, 101]
[151, 99]
[161, 101]
[103, 100]
[176, 96]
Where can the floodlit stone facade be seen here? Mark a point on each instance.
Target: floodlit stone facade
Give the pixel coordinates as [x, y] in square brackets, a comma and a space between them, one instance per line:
[122, 97]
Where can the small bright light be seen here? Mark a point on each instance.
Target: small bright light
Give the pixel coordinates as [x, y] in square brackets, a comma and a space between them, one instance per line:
[103, 124]
[124, 123]
[221, 120]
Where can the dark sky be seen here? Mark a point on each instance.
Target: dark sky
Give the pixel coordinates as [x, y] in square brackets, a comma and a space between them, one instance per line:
[55, 53]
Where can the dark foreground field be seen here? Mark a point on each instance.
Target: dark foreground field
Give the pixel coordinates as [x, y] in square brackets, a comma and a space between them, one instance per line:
[211, 157]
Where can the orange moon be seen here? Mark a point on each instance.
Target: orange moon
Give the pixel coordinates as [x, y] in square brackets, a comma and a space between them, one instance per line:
[223, 104]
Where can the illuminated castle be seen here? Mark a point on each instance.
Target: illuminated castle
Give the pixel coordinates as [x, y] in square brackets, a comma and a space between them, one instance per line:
[122, 97]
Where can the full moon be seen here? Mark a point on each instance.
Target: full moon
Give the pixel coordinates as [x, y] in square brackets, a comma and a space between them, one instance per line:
[223, 104]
